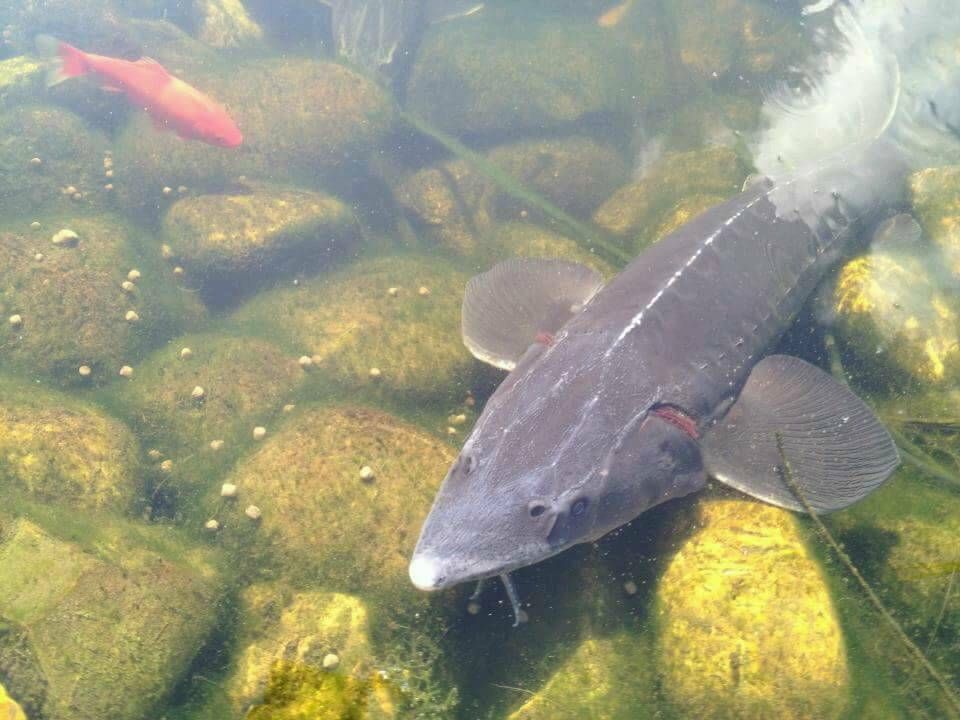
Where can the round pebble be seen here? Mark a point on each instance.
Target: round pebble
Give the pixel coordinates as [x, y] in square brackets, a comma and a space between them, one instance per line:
[69, 190]
[167, 190]
[36, 162]
[132, 316]
[108, 173]
[108, 187]
[16, 321]
[128, 286]
[65, 238]
[178, 271]
[216, 445]
[393, 292]
[154, 454]
[211, 525]
[126, 371]
[630, 587]
[198, 393]
[228, 490]
[186, 353]
[366, 473]
[35, 225]
[451, 430]
[259, 432]
[375, 373]
[166, 252]
[181, 189]
[253, 512]
[84, 371]
[305, 361]
[38, 257]
[457, 419]
[77, 196]
[423, 291]
[289, 407]
[167, 466]
[331, 661]
[133, 275]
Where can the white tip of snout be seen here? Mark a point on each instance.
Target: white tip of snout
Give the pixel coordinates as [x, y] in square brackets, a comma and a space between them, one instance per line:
[424, 572]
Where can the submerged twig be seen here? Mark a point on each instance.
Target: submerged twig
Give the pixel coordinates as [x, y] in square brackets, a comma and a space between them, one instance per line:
[787, 474]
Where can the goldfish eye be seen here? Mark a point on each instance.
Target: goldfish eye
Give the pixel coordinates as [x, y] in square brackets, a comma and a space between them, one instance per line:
[579, 507]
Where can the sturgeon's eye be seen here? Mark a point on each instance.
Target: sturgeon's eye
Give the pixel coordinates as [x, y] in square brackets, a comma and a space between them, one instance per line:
[469, 464]
[537, 509]
[579, 507]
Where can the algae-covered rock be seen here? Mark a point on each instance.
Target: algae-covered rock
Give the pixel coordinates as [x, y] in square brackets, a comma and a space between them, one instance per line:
[19, 77]
[746, 624]
[603, 679]
[73, 311]
[935, 194]
[500, 71]
[300, 118]
[636, 208]
[232, 242]
[60, 451]
[519, 239]
[226, 24]
[891, 313]
[110, 632]
[456, 205]
[350, 322]
[324, 523]
[9, 708]
[284, 630]
[68, 154]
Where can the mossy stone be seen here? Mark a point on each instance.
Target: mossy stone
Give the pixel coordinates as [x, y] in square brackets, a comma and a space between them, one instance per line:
[62, 452]
[635, 208]
[73, 309]
[935, 195]
[746, 626]
[111, 637]
[71, 154]
[234, 240]
[526, 240]
[226, 24]
[20, 77]
[500, 71]
[321, 521]
[893, 316]
[349, 322]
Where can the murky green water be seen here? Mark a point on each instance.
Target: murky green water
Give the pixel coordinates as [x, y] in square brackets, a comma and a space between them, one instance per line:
[232, 378]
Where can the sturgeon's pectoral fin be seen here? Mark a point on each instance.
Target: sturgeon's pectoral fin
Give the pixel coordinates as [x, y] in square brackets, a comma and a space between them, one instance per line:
[837, 449]
[899, 232]
[520, 302]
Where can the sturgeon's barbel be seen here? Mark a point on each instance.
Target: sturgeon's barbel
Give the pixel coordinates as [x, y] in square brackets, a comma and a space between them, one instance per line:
[626, 395]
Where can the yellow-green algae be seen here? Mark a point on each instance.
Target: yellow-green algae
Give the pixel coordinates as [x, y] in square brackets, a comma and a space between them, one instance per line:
[322, 523]
[526, 240]
[100, 631]
[63, 452]
[935, 195]
[746, 624]
[248, 238]
[637, 207]
[226, 24]
[71, 303]
[348, 322]
[895, 317]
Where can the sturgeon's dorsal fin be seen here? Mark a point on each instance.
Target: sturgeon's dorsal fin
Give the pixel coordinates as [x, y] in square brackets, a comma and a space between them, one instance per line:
[837, 449]
[520, 302]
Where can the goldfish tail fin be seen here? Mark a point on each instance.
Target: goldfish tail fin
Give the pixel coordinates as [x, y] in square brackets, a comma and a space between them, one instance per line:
[68, 61]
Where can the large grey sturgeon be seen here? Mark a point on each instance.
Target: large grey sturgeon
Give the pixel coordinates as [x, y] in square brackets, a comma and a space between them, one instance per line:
[625, 395]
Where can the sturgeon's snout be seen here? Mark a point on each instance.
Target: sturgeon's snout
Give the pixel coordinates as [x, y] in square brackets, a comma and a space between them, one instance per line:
[425, 573]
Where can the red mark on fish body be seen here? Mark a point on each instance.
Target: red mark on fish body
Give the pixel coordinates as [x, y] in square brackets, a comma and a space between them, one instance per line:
[677, 417]
[544, 338]
[169, 101]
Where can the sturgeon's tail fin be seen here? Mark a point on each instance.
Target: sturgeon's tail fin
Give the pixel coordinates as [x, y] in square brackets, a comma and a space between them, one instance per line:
[67, 60]
[888, 69]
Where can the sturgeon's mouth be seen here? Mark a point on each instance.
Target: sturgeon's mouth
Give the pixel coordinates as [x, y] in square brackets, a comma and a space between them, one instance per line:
[430, 573]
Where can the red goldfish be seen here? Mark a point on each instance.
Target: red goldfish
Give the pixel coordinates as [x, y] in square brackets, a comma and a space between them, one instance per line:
[171, 102]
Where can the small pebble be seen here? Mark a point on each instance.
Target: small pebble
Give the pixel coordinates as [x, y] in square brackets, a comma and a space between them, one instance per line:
[133, 275]
[126, 371]
[128, 286]
[77, 196]
[16, 321]
[166, 252]
[211, 525]
[36, 162]
[108, 173]
[65, 238]
[375, 372]
[366, 473]
[154, 454]
[469, 401]
[305, 361]
[457, 419]
[228, 490]
[167, 466]
[198, 393]
[35, 225]
[331, 661]
[216, 445]
[473, 607]
[178, 271]
[451, 430]
[84, 370]
[186, 353]
[132, 316]
[259, 432]
[289, 407]
[108, 187]
[630, 587]
[423, 291]
[38, 257]
[69, 190]
[107, 162]
[393, 292]
[253, 512]
[167, 190]
[181, 189]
